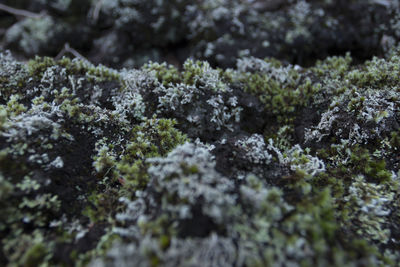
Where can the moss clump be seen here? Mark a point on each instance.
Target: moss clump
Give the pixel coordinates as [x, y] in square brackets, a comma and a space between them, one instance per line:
[52, 198]
[127, 33]
[265, 164]
[125, 162]
[37, 66]
[34, 36]
[166, 74]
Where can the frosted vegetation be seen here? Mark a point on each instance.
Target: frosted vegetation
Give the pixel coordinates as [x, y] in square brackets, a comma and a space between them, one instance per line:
[258, 142]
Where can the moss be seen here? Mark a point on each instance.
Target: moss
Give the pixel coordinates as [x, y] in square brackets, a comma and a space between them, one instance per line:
[376, 73]
[15, 108]
[154, 137]
[335, 67]
[286, 91]
[32, 36]
[201, 74]
[35, 255]
[280, 98]
[44, 157]
[37, 66]
[368, 204]
[395, 140]
[166, 74]
[91, 155]
[6, 188]
[340, 173]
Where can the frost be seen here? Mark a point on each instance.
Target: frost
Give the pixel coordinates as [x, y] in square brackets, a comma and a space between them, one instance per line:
[130, 101]
[203, 102]
[208, 252]
[221, 115]
[255, 149]
[298, 159]
[33, 34]
[57, 163]
[26, 125]
[195, 179]
[372, 205]
[252, 64]
[175, 95]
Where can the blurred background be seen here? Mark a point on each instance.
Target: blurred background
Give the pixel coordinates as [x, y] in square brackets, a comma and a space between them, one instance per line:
[129, 33]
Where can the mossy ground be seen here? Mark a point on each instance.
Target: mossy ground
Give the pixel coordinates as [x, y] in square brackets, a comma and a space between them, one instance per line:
[262, 163]
[77, 139]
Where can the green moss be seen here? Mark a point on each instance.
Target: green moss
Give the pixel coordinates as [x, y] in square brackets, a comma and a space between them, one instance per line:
[284, 91]
[368, 204]
[166, 74]
[35, 255]
[75, 162]
[38, 65]
[335, 67]
[372, 167]
[28, 250]
[281, 99]
[125, 164]
[395, 140]
[310, 218]
[202, 75]
[377, 73]
[153, 138]
[42, 124]
[165, 241]
[14, 108]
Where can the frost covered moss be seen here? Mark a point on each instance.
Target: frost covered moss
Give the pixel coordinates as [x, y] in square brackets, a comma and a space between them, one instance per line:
[267, 164]
[125, 160]
[53, 198]
[126, 33]
[34, 35]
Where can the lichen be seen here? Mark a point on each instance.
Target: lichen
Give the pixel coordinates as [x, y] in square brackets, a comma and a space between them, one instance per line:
[265, 164]
[48, 143]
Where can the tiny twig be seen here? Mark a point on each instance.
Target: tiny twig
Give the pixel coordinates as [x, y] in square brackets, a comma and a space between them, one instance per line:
[68, 49]
[95, 11]
[108, 171]
[20, 12]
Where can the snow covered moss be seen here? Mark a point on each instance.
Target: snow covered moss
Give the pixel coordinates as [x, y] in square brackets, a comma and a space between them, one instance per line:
[198, 98]
[54, 115]
[369, 206]
[265, 225]
[283, 89]
[91, 155]
[358, 116]
[256, 149]
[124, 160]
[364, 105]
[35, 35]
[209, 252]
